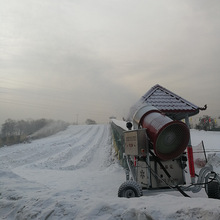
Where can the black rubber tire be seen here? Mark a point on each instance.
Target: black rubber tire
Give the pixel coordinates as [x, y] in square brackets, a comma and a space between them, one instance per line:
[213, 190]
[130, 189]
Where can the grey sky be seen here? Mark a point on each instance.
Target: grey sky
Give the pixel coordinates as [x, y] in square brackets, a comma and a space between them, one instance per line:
[84, 59]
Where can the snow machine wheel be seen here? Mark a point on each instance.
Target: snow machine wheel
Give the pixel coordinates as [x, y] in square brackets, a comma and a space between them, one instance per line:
[213, 190]
[130, 189]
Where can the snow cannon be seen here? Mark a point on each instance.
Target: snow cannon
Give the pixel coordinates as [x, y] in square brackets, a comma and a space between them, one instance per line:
[169, 138]
[154, 156]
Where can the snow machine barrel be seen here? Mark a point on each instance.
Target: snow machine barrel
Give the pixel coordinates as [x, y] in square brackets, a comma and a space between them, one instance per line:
[169, 138]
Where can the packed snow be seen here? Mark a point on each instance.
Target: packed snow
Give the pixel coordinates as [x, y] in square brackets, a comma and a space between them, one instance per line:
[76, 175]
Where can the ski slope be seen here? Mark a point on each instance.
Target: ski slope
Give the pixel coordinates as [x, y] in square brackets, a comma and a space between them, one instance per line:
[75, 175]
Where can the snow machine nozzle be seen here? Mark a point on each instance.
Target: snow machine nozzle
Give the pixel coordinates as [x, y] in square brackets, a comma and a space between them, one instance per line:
[169, 138]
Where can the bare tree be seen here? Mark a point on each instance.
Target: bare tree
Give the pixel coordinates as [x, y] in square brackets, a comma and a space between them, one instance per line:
[8, 128]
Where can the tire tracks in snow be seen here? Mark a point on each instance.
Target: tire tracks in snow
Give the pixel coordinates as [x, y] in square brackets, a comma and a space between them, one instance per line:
[95, 154]
[73, 153]
[69, 150]
[38, 150]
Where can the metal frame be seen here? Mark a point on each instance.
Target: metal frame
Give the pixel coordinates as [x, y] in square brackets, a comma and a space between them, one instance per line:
[205, 174]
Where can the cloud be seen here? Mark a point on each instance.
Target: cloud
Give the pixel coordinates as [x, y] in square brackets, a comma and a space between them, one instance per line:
[95, 58]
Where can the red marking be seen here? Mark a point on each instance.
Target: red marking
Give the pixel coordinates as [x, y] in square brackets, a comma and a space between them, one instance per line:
[191, 161]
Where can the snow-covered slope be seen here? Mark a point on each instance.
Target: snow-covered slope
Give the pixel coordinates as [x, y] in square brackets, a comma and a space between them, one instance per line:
[74, 175]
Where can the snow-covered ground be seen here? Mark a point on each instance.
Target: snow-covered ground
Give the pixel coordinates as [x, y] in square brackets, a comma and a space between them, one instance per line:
[75, 175]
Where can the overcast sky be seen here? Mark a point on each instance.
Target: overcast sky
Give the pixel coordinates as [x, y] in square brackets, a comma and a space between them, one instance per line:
[79, 59]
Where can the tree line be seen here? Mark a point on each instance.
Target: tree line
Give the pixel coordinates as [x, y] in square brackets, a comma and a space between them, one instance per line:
[207, 123]
[16, 131]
